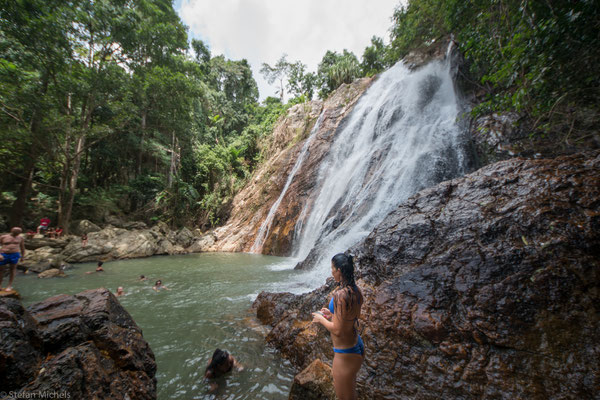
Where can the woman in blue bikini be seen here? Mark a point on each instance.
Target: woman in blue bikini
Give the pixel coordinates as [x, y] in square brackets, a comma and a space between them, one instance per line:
[341, 320]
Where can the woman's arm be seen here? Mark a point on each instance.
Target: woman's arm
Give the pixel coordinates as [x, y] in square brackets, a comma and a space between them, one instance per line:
[335, 325]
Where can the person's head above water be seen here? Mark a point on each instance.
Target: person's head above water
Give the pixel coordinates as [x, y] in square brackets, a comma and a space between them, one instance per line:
[220, 363]
[158, 283]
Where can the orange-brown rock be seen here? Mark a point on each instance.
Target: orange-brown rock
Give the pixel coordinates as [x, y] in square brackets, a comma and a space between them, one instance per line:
[251, 206]
[315, 382]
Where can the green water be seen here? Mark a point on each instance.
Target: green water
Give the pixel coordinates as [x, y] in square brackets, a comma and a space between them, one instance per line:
[207, 307]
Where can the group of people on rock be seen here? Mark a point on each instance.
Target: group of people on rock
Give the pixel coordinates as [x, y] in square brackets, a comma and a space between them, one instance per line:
[45, 229]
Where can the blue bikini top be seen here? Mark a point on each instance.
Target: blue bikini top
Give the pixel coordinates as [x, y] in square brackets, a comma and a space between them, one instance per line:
[331, 307]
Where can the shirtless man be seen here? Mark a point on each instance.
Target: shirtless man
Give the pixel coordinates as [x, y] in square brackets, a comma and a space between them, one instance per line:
[11, 245]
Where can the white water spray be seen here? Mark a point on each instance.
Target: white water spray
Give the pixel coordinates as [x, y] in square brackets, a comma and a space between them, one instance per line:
[265, 228]
[401, 137]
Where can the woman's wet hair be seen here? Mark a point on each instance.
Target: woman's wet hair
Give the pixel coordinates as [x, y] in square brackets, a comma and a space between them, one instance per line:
[345, 264]
[218, 358]
[350, 293]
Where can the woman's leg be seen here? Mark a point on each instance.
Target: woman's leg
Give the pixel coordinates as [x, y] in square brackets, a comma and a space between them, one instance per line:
[345, 368]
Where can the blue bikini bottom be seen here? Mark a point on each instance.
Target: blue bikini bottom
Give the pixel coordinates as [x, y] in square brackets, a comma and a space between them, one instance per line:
[359, 348]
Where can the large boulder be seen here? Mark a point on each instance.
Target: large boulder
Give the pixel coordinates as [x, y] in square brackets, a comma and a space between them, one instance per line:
[52, 273]
[116, 243]
[20, 345]
[35, 243]
[85, 345]
[202, 244]
[84, 227]
[184, 237]
[43, 258]
[485, 286]
[315, 382]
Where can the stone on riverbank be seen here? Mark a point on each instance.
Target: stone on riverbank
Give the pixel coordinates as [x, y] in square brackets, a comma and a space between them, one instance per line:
[52, 273]
[85, 345]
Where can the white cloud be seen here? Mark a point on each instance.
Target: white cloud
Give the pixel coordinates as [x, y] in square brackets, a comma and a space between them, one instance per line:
[262, 30]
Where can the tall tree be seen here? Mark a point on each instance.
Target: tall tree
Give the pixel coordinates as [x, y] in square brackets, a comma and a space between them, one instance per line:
[34, 47]
[278, 72]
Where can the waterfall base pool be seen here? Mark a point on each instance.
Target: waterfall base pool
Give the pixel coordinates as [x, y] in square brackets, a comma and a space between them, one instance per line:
[207, 307]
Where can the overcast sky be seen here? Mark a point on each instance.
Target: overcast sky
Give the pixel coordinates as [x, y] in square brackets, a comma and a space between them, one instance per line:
[263, 30]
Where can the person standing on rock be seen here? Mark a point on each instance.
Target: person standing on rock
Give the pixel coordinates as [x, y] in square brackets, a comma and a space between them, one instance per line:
[13, 248]
[341, 320]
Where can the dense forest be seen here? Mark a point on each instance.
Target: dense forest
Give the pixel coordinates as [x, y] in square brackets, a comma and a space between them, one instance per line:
[107, 107]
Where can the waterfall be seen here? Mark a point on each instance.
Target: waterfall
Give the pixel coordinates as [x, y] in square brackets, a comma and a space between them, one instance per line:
[265, 227]
[402, 136]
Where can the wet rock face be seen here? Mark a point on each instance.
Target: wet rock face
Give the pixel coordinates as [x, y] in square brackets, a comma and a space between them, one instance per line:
[85, 345]
[251, 206]
[485, 286]
[20, 345]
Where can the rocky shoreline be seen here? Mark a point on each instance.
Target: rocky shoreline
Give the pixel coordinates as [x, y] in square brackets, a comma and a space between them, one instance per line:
[110, 243]
[485, 286]
[85, 346]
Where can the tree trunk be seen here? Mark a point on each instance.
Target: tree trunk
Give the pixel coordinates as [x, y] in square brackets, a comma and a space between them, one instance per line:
[73, 182]
[141, 151]
[20, 203]
[172, 167]
[64, 176]
[79, 148]
[18, 208]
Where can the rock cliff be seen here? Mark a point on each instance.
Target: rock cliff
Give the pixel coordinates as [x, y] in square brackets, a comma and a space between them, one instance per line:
[486, 286]
[253, 203]
[84, 346]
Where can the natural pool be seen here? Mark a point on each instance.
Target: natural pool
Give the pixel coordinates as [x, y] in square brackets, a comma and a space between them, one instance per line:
[207, 307]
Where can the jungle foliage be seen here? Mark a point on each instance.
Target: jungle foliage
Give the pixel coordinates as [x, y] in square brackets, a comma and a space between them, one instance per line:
[538, 58]
[105, 109]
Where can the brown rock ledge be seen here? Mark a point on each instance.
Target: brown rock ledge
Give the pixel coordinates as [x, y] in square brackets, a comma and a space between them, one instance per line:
[86, 346]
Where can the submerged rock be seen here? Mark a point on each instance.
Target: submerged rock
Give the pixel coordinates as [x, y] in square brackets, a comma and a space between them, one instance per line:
[51, 273]
[485, 286]
[85, 345]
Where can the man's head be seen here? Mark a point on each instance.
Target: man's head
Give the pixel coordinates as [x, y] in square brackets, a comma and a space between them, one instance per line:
[16, 231]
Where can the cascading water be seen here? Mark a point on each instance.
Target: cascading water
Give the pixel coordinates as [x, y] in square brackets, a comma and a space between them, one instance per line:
[402, 136]
[265, 227]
